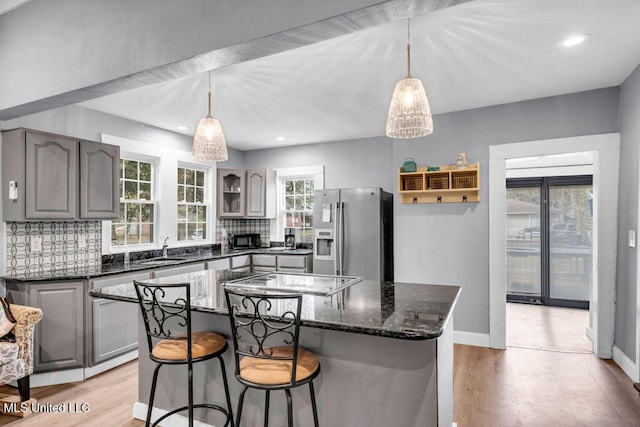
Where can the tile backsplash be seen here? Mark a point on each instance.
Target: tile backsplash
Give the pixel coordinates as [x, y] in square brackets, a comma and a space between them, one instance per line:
[224, 227]
[60, 246]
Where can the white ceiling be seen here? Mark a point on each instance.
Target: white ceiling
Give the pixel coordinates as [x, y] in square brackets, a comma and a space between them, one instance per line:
[481, 53]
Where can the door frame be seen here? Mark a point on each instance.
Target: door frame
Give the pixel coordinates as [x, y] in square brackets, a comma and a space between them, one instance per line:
[606, 158]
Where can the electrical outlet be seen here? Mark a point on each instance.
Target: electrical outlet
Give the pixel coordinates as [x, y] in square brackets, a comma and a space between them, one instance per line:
[82, 241]
[36, 244]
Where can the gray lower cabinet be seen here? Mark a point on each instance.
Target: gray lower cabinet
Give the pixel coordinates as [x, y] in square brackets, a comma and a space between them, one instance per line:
[113, 329]
[59, 336]
[241, 263]
[293, 263]
[284, 263]
[172, 271]
[219, 264]
[263, 263]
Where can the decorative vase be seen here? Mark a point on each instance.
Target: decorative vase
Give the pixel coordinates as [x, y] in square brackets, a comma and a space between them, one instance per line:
[462, 161]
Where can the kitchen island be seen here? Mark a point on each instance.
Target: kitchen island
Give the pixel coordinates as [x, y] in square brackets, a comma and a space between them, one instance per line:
[385, 349]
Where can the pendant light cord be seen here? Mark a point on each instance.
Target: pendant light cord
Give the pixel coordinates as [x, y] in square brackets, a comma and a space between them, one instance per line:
[408, 48]
[209, 115]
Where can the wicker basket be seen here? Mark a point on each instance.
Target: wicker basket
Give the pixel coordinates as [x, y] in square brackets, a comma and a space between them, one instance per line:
[464, 180]
[412, 183]
[439, 182]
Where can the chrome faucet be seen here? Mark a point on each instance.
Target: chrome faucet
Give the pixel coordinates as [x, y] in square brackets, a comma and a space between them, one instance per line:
[165, 246]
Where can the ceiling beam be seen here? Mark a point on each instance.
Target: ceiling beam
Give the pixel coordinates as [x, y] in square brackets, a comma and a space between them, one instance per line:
[299, 36]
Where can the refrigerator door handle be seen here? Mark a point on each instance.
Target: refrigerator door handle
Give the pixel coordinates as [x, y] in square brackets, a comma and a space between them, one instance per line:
[337, 241]
[342, 234]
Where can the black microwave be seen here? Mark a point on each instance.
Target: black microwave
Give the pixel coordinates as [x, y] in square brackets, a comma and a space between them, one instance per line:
[244, 241]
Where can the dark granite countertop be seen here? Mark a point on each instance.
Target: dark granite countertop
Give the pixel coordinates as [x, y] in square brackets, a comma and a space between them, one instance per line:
[396, 310]
[71, 273]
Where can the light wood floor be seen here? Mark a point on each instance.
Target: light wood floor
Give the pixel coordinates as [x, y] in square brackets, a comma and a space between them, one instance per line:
[110, 397]
[538, 384]
[546, 377]
[547, 328]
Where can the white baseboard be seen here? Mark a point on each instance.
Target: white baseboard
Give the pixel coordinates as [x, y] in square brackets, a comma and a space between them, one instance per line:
[79, 374]
[109, 364]
[471, 338]
[53, 378]
[589, 333]
[175, 420]
[627, 365]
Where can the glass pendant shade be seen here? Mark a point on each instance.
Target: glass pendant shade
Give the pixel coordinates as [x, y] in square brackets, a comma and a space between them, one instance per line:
[209, 144]
[409, 111]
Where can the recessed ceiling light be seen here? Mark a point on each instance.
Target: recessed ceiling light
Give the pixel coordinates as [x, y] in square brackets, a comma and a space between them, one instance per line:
[280, 138]
[574, 40]
[183, 127]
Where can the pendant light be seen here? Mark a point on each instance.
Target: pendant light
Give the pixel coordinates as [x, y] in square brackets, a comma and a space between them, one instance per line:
[409, 111]
[209, 144]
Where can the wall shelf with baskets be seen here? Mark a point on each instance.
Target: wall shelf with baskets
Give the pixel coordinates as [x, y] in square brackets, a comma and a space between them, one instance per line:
[447, 185]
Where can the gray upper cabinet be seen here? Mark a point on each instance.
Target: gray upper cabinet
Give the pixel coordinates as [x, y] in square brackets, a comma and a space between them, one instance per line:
[50, 181]
[58, 177]
[99, 180]
[231, 197]
[261, 190]
[246, 193]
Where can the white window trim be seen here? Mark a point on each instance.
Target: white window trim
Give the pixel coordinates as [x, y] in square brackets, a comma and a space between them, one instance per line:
[316, 172]
[208, 201]
[165, 190]
[106, 225]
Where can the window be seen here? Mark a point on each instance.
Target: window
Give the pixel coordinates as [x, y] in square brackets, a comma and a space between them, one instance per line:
[298, 206]
[192, 210]
[137, 206]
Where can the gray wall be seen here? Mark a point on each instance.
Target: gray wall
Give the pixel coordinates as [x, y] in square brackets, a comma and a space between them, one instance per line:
[354, 163]
[627, 287]
[448, 244]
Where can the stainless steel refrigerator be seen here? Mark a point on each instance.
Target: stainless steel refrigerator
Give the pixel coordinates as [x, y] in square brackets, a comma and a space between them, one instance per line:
[353, 233]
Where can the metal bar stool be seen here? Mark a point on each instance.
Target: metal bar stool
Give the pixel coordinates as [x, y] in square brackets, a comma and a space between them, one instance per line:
[167, 319]
[265, 329]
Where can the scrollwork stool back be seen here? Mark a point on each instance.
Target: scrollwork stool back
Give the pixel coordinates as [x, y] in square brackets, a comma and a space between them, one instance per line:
[166, 312]
[265, 330]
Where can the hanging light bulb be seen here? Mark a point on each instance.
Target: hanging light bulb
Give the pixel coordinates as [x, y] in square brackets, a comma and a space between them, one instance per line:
[209, 144]
[409, 111]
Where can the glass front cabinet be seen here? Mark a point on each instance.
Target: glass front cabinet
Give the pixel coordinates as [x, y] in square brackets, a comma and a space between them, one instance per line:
[231, 193]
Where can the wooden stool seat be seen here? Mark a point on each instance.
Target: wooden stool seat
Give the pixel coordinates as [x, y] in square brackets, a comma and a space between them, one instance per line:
[275, 371]
[203, 344]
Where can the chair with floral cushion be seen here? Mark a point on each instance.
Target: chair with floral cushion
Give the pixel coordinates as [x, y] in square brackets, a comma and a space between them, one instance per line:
[17, 323]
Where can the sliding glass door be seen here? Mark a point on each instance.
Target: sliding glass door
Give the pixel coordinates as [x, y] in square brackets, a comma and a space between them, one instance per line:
[524, 259]
[549, 240]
